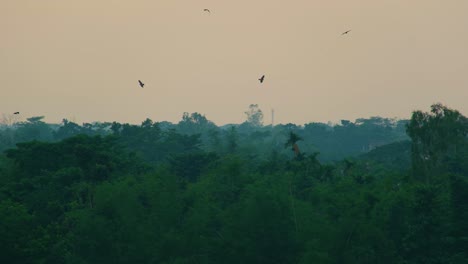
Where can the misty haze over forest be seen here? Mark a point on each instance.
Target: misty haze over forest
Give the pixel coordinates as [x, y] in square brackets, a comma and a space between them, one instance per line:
[333, 141]
[372, 190]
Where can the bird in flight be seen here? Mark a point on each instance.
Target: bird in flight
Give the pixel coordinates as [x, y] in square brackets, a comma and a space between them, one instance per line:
[141, 84]
[262, 78]
[16, 113]
[346, 32]
[207, 10]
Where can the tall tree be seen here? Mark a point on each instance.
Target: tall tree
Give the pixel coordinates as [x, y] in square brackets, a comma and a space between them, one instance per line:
[254, 115]
[439, 141]
[292, 142]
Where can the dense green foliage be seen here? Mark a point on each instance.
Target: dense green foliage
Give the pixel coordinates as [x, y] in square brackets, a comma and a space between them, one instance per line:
[197, 193]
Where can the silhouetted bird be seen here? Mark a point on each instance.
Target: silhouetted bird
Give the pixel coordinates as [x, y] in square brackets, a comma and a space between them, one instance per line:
[346, 32]
[141, 84]
[207, 10]
[262, 78]
[16, 113]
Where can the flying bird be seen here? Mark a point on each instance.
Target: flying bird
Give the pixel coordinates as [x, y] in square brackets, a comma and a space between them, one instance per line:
[207, 10]
[346, 32]
[141, 84]
[16, 113]
[262, 78]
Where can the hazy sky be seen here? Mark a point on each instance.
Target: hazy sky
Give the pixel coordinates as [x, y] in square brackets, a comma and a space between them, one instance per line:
[81, 59]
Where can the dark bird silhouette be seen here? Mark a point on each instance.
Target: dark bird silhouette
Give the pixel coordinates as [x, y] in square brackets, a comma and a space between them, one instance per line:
[262, 78]
[207, 10]
[16, 113]
[346, 32]
[141, 84]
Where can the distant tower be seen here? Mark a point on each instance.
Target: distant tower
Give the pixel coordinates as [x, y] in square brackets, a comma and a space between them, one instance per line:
[272, 117]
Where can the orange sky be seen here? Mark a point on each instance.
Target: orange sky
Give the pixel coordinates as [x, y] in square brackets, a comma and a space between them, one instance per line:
[81, 59]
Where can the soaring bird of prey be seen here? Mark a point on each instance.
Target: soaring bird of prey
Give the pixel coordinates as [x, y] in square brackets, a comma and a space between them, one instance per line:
[16, 113]
[262, 78]
[346, 32]
[207, 10]
[141, 84]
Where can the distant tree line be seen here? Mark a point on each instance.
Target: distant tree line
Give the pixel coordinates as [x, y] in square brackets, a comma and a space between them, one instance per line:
[334, 142]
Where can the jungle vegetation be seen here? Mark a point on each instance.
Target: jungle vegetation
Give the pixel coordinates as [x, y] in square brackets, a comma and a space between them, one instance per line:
[374, 190]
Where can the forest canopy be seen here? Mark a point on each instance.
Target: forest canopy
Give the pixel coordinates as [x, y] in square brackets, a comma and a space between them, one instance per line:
[374, 190]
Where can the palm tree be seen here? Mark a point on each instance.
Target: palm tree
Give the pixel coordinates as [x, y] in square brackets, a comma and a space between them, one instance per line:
[293, 138]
